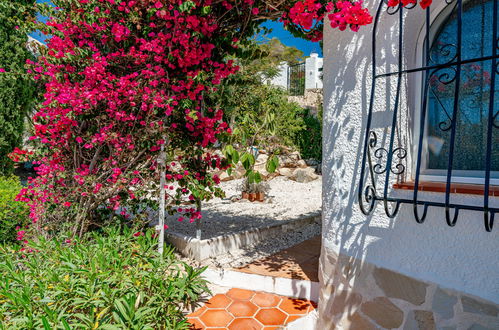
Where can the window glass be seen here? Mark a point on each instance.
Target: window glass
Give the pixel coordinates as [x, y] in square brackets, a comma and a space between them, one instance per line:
[473, 95]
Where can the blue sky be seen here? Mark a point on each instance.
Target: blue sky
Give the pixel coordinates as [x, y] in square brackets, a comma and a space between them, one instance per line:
[288, 39]
[278, 31]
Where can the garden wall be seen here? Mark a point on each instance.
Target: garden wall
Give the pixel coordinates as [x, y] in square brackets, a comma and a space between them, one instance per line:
[382, 272]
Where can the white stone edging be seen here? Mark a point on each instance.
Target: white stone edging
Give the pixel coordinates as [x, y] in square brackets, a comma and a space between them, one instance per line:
[301, 289]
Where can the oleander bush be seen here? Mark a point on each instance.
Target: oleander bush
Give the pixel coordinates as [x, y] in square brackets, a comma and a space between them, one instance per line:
[113, 279]
[13, 214]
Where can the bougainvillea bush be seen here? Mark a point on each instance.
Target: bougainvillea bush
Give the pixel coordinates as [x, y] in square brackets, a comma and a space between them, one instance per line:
[108, 280]
[17, 90]
[124, 79]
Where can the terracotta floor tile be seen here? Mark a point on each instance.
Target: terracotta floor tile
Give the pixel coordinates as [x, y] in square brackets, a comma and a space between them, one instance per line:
[242, 308]
[263, 299]
[218, 301]
[245, 324]
[216, 318]
[195, 323]
[295, 306]
[271, 316]
[197, 312]
[297, 262]
[272, 328]
[240, 294]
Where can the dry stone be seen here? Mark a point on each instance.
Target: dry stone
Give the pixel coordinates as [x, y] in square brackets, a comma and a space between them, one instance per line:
[396, 285]
[382, 311]
[356, 322]
[443, 304]
[286, 171]
[225, 177]
[420, 320]
[474, 306]
[301, 163]
[480, 327]
[344, 301]
[304, 175]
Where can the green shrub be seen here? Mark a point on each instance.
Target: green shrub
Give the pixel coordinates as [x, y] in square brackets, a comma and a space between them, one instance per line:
[309, 139]
[107, 280]
[12, 213]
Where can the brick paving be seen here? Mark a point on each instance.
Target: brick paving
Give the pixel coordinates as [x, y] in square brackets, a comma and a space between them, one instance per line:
[248, 310]
[299, 262]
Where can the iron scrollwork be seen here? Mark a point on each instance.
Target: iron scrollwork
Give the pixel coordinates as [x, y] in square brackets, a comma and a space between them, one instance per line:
[379, 162]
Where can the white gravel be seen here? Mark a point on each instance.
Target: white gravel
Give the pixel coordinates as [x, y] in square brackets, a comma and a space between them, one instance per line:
[287, 200]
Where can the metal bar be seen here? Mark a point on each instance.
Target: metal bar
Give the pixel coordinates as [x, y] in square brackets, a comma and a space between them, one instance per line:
[487, 218]
[437, 66]
[422, 123]
[454, 119]
[394, 117]
[438, 204]
[369, 119]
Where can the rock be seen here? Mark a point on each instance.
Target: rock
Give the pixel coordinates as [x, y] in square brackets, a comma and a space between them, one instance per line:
[419, 319]
[295, 155]
[382, 311]
[225, 177]
[262, 169]
[443, 304]
[344, 300]
[286, 171]
[261, 159]
[312, 162]
[474, 306]
[304, 175]
[301, 163]
[356, 322]
[396, 285]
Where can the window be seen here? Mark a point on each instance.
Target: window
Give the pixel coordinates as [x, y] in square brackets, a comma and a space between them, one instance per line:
[456, 139]
[473, 97]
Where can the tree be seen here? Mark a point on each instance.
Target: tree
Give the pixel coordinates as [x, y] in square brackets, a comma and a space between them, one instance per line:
[123, 79]
[17, 90]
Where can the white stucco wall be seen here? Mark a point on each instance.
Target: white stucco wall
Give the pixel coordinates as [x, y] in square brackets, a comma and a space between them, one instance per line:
[313, 64]
[464, 258]
[281, 79]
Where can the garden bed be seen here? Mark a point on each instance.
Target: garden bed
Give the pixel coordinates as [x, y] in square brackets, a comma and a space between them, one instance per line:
[287, 200]
[233, 227]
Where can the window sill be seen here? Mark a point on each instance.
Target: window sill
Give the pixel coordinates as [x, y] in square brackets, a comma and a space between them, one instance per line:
[456, 188]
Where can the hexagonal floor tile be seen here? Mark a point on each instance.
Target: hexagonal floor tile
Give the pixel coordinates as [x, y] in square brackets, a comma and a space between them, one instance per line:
[263, 299]
[218, 301]
[195, 323]
[242, 308]
[240, 294]
[271, 316]
[216, 318]
[295, 306]
[245, 324]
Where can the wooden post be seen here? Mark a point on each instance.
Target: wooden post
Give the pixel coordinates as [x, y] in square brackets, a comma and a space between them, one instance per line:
[162, 195]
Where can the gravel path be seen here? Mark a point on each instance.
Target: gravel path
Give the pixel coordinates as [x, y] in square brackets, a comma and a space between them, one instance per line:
[287, 200]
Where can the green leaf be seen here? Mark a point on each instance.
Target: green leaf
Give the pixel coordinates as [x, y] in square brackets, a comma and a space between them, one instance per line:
[248, 160]
[186, 6]
[272, 164]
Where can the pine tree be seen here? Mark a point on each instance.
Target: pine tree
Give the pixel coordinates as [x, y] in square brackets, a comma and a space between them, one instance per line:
[16, 89]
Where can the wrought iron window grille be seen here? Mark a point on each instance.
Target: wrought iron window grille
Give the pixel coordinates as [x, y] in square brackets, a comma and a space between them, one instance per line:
[382, 159]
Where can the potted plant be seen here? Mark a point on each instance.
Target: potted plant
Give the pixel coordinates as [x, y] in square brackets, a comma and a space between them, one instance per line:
[261, 189]
[253, 179]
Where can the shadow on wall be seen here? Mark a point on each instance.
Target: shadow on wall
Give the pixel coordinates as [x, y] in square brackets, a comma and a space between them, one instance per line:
[348, 86]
